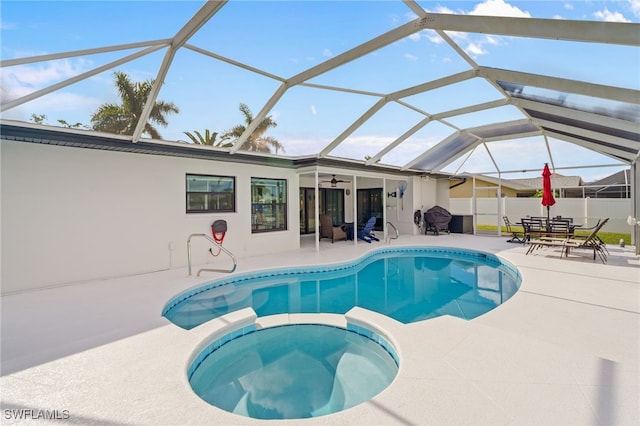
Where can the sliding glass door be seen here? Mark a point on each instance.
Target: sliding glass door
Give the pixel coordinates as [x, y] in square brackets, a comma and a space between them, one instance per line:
[331, 203]
[370, 204]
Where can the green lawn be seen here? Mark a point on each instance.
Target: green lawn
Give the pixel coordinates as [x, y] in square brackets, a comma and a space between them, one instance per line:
[607, 237]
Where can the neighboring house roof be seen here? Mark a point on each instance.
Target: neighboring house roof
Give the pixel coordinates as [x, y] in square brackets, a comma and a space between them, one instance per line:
[533, 184]
[557, 181]
[621, 177]
[507, 183]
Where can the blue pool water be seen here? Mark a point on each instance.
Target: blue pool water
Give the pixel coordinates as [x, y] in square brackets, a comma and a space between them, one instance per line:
[407, 283]
[293, 372]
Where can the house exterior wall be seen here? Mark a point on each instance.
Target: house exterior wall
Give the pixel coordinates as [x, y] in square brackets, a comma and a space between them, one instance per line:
[465, 190]
[71, 214]
[399, 210]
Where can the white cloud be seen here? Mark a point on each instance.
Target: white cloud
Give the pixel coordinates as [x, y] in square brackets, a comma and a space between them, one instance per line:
[608, 16]
[568, 6]
[313, 110]
[444, 9]
[433, 37]
[475, 46]
[475, 49]
[635, 7]
[410, 57]
[307, 146]
[458, 36]
[327, 53]
[493, 40]
[415, 36]
[498, 8]
[6, 26]
[28, 77]
[58, 105]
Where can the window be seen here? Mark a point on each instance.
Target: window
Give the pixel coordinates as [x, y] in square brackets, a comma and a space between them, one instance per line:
[268, 205]
[211, 194]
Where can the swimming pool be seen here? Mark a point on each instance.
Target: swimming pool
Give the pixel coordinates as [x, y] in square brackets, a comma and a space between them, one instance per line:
[292, 371]
[408, 284]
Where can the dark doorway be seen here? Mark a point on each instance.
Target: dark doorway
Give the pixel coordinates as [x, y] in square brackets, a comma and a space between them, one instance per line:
[331, 202]
[370, 204]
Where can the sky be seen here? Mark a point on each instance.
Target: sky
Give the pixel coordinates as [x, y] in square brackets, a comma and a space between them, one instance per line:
[285, 38]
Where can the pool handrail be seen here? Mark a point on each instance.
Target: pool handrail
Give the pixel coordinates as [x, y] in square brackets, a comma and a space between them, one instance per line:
[395, 229]
[214, 242]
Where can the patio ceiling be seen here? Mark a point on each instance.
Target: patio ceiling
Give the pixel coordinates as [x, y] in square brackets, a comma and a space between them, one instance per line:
[606, 120]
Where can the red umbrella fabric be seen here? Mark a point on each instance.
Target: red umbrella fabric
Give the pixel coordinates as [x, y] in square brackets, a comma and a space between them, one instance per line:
[547, 193]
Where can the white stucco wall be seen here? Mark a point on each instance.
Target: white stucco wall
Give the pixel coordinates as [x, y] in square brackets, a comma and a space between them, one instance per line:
[71, 214]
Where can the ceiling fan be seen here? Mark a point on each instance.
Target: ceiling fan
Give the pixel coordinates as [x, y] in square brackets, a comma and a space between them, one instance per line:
[334, 182]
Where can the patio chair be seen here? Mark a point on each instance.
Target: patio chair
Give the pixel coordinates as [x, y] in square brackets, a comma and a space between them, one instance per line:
[516, 236]
[533, 227]
[560, 228]
[327, 230]
[591, 242]
[366, 233]
[591, 228]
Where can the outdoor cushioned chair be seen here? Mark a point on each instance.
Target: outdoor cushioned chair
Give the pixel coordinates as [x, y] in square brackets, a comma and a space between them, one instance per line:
[591, 242]
[327, 230]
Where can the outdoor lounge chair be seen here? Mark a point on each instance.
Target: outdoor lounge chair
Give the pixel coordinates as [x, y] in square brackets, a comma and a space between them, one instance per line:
[327, 230]
[516, 236]
[591, 242]
[366, 233]
[594, 227]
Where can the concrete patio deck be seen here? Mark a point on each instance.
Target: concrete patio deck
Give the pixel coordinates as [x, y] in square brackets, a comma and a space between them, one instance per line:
[565, 350]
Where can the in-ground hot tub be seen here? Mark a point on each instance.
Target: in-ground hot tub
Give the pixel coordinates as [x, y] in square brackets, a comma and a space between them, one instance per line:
[293, 371]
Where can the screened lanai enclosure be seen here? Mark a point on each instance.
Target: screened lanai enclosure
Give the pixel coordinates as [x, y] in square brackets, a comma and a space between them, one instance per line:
[488, 88]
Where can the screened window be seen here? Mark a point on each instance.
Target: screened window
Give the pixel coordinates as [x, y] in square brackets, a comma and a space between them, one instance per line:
[268, 205]
[211, 194]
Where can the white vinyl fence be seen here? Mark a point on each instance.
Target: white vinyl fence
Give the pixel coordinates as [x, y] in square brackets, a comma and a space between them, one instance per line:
[585, 211]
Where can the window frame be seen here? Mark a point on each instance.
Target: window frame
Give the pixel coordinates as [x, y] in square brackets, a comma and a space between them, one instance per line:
[233, 193]
[277, 210]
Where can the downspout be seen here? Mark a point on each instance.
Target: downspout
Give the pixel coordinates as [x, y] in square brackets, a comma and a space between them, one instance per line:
[459, 183]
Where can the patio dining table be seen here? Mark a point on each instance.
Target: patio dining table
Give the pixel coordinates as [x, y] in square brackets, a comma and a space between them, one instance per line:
[559, 227]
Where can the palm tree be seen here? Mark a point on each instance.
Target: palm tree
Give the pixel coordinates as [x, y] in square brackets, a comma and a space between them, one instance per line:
[209, 137]
[257, 141]
[123, 119]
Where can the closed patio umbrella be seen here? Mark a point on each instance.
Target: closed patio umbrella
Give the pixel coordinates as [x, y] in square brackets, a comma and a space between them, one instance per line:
[547, 193]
